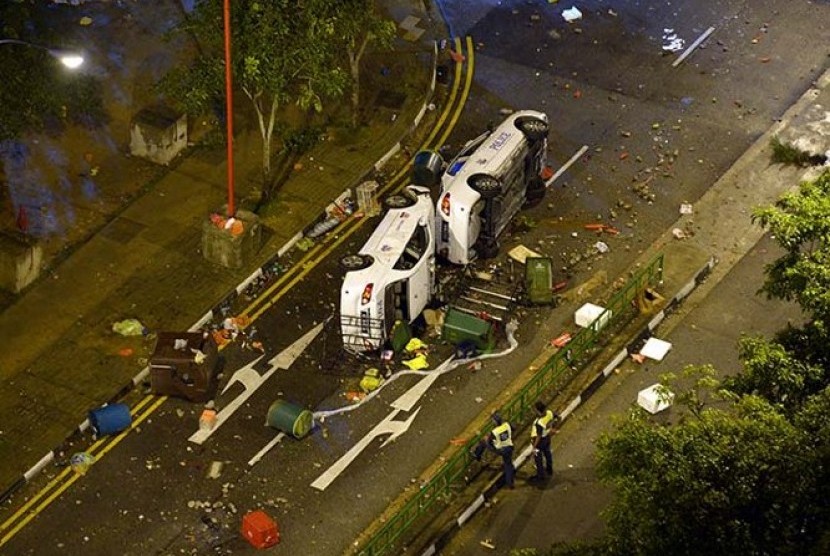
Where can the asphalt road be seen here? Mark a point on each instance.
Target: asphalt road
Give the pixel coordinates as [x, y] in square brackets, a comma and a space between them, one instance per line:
[608, 86]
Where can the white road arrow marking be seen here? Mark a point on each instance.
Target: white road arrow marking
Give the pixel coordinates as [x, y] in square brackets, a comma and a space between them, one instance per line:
[248, 377]
[387, 426]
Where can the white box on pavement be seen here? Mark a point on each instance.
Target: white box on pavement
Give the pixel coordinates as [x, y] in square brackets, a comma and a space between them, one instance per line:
[654, 402]
[588, 313]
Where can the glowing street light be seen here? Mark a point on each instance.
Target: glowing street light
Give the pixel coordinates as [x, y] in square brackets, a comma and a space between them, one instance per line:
[71, 60]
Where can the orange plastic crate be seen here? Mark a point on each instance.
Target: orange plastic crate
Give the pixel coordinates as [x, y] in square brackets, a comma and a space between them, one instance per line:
[260, 530]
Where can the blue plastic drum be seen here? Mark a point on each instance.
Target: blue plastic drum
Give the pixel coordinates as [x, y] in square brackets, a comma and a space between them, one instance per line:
[110, 419]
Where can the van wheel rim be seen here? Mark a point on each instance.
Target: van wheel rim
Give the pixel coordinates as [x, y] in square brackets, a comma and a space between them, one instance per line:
[352, 261]
[397, 201]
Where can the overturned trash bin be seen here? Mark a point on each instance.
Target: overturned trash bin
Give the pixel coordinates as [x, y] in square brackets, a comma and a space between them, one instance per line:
[110, 419]
[184, 365]
[539, 280]
[462, 327]
[426, 168]
[290, 418]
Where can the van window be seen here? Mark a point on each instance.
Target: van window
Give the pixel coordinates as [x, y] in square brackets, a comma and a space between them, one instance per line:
[414, 250]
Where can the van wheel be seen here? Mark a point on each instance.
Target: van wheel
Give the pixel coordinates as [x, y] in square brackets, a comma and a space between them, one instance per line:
[398, 201]
[356, 262]
[486, 186]
[533, 128]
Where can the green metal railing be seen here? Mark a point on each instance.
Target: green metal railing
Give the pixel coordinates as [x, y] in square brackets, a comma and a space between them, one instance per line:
[518, 410]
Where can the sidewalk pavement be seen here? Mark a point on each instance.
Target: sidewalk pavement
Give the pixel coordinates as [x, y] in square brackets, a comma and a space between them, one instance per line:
[568, 508]
[60, 356]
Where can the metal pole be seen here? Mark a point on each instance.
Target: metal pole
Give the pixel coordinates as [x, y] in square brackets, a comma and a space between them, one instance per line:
[229, 106]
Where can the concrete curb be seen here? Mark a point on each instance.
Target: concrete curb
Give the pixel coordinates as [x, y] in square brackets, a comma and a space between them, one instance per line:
[76, 434]
[443, 538]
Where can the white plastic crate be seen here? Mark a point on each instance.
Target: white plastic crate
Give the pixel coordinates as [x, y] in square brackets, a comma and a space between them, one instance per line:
[589, 313]
[652, 401]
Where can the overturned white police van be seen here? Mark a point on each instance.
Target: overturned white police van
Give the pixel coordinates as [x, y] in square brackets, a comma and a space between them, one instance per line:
[392, 277]
[486, 184]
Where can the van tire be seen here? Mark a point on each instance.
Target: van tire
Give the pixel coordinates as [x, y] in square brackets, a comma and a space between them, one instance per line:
[486, 186]
[398, 201]
[356, 262]
[533, 128]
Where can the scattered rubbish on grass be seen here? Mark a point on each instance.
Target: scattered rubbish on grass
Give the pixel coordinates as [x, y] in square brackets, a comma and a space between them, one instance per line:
[601, 247]
[125, 352]
[129, 327]
[80, 462]
[686, 208]
[572, 14]
[85, 21]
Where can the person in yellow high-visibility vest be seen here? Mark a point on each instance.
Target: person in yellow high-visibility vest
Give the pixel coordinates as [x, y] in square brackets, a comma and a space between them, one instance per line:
[540, 439]
[500, 440]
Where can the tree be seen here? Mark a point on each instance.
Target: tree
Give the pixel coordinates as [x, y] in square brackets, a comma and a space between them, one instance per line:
[282, 51]
[799, 223]
[737, 479]
[358, 26]
[776, 373]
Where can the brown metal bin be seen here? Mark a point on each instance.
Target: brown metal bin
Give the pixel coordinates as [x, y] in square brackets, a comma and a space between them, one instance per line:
[178, 372]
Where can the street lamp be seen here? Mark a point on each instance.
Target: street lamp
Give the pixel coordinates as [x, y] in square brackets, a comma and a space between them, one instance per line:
[71, 60]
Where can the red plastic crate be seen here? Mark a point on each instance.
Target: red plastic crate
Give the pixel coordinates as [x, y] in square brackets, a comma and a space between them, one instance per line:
[259, 529]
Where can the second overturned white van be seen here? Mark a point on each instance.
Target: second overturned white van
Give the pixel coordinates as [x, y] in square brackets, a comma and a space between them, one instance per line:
[487, 183]
[392, 277]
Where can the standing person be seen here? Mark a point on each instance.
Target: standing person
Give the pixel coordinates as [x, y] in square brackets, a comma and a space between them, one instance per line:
[500, 440]
[540, 439]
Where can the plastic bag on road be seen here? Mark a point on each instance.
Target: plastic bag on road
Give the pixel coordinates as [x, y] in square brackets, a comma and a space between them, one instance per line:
[80, 462]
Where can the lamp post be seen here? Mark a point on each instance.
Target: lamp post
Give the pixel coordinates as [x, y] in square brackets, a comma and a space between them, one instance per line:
[71, 60]
[229, 106]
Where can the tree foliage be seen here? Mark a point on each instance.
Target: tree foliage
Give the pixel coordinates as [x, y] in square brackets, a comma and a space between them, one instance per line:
[800, 223]
[282, 51]
[359, 25]
[38, 93]
[729, 480]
